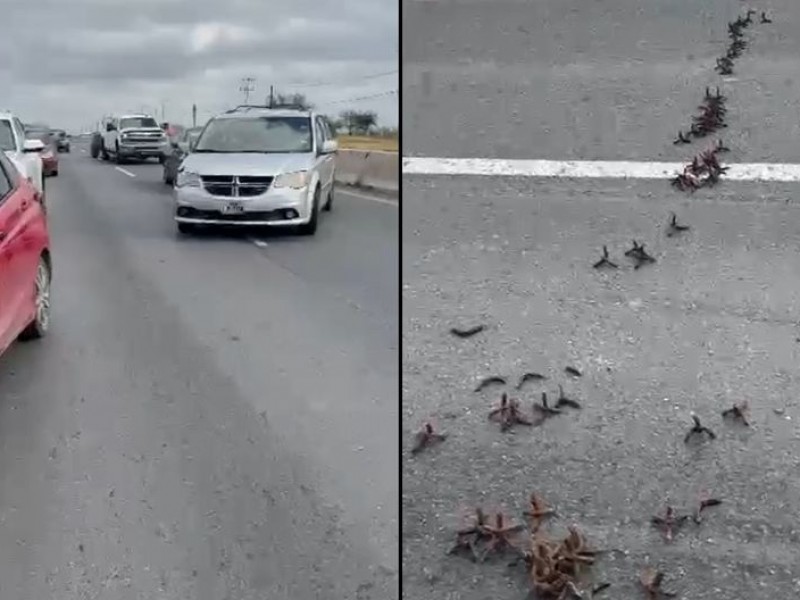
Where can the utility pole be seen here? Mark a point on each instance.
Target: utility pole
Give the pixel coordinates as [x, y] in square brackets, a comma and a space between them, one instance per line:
[271, 95]
[194, 115]
[248, 85]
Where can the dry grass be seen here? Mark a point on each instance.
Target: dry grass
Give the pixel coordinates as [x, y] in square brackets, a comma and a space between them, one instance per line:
[367, 142]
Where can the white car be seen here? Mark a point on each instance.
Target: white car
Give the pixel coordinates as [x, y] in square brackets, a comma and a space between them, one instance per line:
[258, 166]
[25, 154]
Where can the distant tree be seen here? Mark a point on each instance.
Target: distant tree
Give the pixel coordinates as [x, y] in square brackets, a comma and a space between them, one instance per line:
[359, 122]
[387, 132]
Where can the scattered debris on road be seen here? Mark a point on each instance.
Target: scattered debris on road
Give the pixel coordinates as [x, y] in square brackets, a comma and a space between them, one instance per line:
[467, 333]
[605, 261]
[674, 228]
[704, 504]
[573, 371]
[652, 580]
[482, 539]
[738, 412]
[670, 523]
[704, 171]
[526, 377]
[508, 414]
[555, 567]
[543, 410]
[487, 381]
[565, 401]
[698, 429]
[427, 438]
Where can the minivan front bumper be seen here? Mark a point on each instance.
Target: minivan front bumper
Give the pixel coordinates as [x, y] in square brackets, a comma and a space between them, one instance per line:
[283, 207]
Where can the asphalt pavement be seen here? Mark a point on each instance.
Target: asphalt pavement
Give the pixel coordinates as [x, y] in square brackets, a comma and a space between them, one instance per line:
[599, 80]
[712, 323]
[209, 417]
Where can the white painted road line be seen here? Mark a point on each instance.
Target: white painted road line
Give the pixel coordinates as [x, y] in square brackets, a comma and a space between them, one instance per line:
[589, 169]
[125, 171]
[385, 201]
[259, 243]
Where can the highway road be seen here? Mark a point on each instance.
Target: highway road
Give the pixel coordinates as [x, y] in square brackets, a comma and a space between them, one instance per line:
[210, 417]
[712, 323]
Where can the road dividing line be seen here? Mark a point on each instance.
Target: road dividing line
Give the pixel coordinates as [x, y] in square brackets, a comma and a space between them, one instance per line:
[125, 171]
[590, 169]
[385, 201]
[259, 243]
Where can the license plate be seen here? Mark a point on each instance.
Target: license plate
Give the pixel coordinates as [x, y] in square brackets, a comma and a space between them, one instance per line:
[232, 208]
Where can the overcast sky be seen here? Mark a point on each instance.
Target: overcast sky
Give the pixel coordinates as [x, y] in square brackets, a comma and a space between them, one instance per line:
[69, 62]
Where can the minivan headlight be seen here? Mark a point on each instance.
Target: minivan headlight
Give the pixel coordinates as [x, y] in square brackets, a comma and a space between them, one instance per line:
[296, 181]
[188, 179]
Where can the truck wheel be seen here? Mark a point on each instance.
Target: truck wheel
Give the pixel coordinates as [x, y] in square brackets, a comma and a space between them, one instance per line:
[117, 156]
[104, 152]
[94, 151]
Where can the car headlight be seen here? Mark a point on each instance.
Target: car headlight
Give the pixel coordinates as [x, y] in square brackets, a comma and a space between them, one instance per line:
[188, 179]
[295, 181]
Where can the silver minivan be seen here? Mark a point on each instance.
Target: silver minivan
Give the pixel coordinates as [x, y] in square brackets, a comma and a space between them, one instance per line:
[258, 166]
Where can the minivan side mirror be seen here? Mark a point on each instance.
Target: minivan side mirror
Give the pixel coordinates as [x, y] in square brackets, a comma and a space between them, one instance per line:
[33, 146]
[329, 147]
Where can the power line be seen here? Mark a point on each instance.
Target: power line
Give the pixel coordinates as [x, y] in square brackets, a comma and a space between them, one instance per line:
[342, 82]
[360, 98]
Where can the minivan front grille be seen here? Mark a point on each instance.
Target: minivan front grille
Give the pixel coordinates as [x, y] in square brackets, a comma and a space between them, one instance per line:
[237, 187]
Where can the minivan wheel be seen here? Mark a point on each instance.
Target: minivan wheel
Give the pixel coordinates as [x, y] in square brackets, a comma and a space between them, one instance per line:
[310, 228]
[41, 289]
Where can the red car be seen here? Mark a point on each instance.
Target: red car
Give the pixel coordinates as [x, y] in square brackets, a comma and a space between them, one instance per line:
[49, 154]
[25, 267]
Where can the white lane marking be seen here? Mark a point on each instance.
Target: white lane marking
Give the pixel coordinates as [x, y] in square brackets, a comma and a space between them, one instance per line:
[83, 150]
[259, 243]
[385, 201]
[589, 169]
[125, 171]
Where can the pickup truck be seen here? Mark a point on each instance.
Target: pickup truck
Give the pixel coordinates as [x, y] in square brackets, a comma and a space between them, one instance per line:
[133, 137]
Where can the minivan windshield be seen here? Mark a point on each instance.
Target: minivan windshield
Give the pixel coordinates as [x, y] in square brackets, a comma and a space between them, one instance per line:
[263, 135]
[130, 122]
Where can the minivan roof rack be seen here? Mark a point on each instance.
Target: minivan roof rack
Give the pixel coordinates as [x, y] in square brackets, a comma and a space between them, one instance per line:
[246, 107]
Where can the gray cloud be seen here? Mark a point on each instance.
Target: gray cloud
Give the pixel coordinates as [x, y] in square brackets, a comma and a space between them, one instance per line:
[69, 63]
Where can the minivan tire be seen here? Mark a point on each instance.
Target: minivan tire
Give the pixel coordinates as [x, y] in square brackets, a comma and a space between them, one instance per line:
[310, 228]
